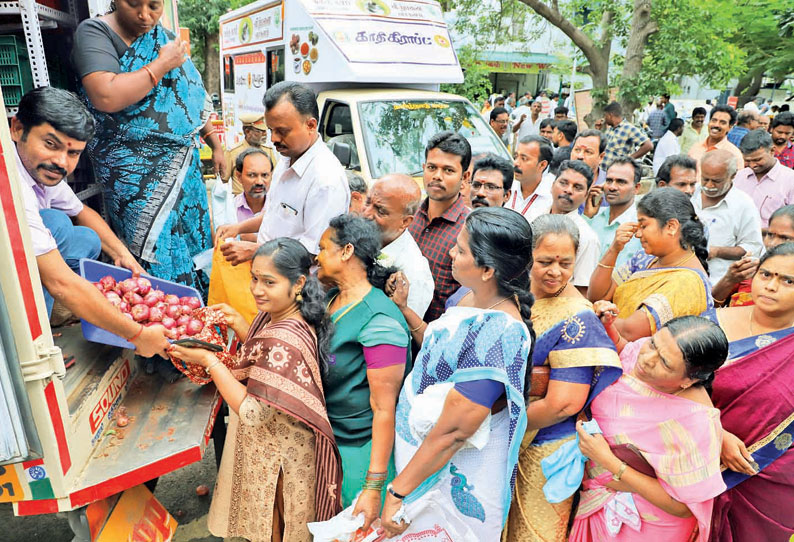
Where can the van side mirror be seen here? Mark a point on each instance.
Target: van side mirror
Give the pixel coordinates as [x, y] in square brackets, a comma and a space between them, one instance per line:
[342, 152]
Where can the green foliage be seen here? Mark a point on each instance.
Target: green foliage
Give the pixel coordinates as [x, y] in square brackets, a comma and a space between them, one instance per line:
[201, 18]
[475, 86]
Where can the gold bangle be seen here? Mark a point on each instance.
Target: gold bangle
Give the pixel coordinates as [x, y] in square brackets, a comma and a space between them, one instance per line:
[211, 366]
[414, 330]
[606, 266]
[621, 470]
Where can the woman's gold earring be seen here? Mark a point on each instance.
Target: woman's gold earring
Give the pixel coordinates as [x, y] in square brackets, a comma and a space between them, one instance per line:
[298, 299]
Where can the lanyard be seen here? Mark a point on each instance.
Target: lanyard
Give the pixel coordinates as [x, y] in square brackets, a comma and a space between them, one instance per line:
[528, 205]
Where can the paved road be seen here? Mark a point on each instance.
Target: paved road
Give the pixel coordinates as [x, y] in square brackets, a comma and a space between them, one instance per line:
[177, 492]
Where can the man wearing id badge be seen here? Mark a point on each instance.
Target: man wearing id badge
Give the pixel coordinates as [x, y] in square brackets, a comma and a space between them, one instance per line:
[309, 186]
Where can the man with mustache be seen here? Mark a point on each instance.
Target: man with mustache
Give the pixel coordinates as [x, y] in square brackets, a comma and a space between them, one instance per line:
[678, 171]
[619, 190]
[569, 192]
[253, 170]
[733, 222]
[491, 178]
[530, 193]
[694, 132]
[309, 185]
[768, 182]
[782, 130]
[50, 130]
[255, 137]
[721, 119]
[441, 215]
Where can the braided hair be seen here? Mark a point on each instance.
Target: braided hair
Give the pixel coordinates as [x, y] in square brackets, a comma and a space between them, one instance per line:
[501, 239]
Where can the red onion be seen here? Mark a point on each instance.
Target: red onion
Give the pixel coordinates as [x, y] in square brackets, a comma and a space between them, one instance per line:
[114, 298]
[185, 309]
[124, 306]
[128, 315]
[173, 311]
[128, 285]
[140, 312]
[133, 298]
[180, 332]
[155, 314]
[107, 282]
[194, 327]
[143, 285]
[192, 302]
[183, 320]
[151, 299]
[168, 323]
[171, 299]
[99, 287]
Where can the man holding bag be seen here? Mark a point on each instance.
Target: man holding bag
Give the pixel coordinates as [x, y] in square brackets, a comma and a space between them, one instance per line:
[253, 169]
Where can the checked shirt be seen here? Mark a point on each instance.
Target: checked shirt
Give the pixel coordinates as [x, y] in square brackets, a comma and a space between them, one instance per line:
[435, 239]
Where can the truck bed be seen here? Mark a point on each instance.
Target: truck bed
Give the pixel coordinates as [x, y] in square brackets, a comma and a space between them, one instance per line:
[169, 424]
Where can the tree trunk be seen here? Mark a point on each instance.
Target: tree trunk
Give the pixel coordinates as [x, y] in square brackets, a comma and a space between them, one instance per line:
[597, 54]
[748, 86]
[642, 26]
[212, 68]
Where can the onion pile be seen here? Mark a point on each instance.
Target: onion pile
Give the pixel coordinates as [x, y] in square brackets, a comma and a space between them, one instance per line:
[139, 301]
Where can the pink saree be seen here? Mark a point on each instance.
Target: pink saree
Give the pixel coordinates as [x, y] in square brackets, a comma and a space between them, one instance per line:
[679, 438]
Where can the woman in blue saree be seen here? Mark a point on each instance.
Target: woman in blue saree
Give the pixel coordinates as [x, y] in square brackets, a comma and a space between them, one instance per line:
[150, 106]
[574, 360]
[461, 412]
[753, 391]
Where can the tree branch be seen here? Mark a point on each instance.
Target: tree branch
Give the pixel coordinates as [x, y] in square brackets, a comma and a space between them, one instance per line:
[551, 14]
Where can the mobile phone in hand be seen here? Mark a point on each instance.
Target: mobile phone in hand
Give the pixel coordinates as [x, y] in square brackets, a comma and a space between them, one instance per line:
[196, 343]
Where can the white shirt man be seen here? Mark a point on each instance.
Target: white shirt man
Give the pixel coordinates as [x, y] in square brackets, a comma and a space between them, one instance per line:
[304, 197]
[535, 204]
[404, 254]
[667, 146]
[733, 222]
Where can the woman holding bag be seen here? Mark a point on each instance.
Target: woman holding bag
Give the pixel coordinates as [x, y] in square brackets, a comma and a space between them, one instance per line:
[281, 468]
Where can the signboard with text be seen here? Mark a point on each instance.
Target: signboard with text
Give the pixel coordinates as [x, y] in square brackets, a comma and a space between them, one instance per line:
[261, 26]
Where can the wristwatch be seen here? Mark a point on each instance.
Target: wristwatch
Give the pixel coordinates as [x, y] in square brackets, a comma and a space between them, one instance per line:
[621, 470]
[393, 493]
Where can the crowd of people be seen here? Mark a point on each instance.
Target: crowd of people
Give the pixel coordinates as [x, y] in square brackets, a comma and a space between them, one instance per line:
[530, 350]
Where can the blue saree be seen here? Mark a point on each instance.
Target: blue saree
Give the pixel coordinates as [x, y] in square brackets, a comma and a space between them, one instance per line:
[147, 158]
[475, 487]
[573, 343]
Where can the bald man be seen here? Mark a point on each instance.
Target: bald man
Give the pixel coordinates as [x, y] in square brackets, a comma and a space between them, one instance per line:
[732, 219]
[392, 202]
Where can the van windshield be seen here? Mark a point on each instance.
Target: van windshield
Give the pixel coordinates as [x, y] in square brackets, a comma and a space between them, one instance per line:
[396, 132]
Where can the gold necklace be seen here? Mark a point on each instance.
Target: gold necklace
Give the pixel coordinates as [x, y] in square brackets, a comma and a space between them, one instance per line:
[495, 304]
[753, 333]
[684, 260]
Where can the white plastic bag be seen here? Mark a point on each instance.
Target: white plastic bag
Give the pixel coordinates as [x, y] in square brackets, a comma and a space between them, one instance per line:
[427, 410]
[223, 211]
[426, 516]
[343, 527]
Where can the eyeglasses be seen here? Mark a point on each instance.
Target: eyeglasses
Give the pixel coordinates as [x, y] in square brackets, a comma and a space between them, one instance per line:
[500, 121]
[489, 187]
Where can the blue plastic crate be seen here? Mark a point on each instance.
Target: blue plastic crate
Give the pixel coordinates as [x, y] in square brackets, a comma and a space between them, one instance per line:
[93, 270]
